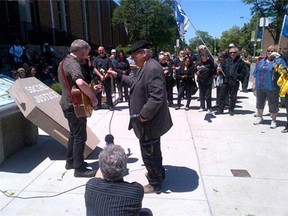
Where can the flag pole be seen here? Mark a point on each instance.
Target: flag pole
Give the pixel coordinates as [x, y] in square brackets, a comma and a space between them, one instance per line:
[196, 31]
[280, 36]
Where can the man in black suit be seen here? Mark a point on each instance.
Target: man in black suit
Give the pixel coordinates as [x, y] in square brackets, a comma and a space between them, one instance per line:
[150, 116]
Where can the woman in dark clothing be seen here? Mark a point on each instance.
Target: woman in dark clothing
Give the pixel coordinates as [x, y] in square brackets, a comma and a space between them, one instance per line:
[122, 66]
[205, 71]
[185, 75]
[168, 73]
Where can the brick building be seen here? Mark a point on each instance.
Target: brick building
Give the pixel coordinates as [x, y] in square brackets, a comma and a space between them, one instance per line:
[59, 22]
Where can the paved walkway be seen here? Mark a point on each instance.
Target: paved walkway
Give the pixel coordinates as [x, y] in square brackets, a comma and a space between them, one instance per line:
[215, 165]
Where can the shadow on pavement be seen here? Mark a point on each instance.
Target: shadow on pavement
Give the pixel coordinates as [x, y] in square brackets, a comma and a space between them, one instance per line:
[30, 157]
[208, 117]
[180, 179]
[243, 112]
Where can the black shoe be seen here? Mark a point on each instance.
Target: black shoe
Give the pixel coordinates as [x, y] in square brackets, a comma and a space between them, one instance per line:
[231, 113]
[150, 189]
[69, 165]
[111, 108]
[218, 112]
[97, 108]
[84, 173]
[177, 108]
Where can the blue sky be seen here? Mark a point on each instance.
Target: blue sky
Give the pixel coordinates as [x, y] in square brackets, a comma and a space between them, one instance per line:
[214, 16]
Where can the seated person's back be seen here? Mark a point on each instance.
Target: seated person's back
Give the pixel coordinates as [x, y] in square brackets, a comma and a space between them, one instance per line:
[112, 195]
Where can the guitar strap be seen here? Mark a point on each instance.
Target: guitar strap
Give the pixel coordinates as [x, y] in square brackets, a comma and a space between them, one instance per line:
[73, 99]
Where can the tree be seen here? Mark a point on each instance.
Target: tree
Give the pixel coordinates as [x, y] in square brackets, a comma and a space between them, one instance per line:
[230, 36]
[152, 20]
[276, 9]
[208, 40]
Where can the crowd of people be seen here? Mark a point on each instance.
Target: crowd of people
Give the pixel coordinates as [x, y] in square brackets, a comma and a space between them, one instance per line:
[148, 84]
[26, 63]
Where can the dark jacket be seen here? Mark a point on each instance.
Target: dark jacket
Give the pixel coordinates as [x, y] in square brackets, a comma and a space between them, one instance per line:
[234, 70]
[148, 99]
[207, 71]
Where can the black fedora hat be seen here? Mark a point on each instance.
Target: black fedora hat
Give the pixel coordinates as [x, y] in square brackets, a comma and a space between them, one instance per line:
[141, 44]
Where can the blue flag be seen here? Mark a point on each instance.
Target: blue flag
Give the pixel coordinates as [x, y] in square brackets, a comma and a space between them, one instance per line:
[181, 19]
[285, 27]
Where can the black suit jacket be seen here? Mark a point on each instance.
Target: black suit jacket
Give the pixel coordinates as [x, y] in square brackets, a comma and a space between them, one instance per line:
[148, 99]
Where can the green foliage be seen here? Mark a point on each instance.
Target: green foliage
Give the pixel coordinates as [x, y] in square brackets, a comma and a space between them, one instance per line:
[152, 20]
[208, 40]
[275, 9]
[57, 87]
[230, 36]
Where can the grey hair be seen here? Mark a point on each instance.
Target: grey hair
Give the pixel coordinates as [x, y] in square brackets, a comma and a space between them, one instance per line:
[148, 53]
[235, 48]
[113, 162]
[79, 44]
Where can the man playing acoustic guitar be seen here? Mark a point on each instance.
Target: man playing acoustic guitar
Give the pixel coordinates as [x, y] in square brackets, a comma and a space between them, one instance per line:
[70, 74]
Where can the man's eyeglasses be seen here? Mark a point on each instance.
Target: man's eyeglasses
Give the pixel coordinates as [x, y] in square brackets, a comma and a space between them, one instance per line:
[232, 52]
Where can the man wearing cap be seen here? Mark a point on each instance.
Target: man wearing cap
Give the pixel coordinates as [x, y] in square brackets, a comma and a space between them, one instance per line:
[150, 116]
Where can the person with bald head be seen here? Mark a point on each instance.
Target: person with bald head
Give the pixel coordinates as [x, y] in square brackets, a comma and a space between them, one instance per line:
[102, 63]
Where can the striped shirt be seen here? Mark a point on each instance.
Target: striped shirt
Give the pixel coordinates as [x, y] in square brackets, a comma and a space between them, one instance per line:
[113, 198]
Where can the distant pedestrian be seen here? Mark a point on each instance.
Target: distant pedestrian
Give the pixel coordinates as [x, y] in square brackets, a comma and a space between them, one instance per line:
[206, 70]
[102, 63]
[32, 72]
[248, 61]
[234, 73]
[16, 51]
[219, 79]
[168, 73]
[122, 66]
[186, 76]
[265, 85]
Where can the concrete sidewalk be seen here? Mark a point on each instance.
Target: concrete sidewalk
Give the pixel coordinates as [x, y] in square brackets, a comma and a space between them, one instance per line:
[215, 165]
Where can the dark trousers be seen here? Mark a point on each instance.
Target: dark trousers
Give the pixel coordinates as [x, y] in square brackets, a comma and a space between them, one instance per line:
[205, 95]
[231, 90]
[245, 81]
[77, 138]
[152, 158]
[108, 91]
[184, 88]
[120, 91]
[169, 90]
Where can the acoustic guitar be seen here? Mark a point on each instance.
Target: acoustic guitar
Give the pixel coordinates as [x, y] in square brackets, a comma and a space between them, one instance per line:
[82, 104]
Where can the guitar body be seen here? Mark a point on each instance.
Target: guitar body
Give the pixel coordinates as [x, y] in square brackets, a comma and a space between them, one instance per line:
[84, 107]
